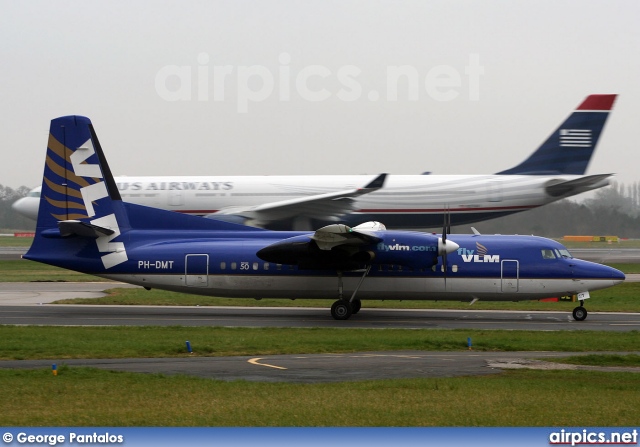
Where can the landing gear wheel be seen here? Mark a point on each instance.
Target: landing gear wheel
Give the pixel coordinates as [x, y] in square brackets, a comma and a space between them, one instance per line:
[356, 305]
[341, 310]
[579, 313]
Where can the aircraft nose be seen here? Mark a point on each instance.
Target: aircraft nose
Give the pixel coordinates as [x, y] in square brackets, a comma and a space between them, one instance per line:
[27, 206]
[617, 276]
[609, 272]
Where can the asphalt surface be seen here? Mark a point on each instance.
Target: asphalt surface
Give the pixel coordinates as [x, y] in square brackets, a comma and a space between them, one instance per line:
[27, 304]
[324, 368]
[94, 315]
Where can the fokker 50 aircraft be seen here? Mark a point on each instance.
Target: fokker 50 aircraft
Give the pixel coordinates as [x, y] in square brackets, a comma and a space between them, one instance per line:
[84, 225]
[554, 171]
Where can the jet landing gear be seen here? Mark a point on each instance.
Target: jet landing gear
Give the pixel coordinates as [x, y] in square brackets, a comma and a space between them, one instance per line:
[580, 313]
[343, 309]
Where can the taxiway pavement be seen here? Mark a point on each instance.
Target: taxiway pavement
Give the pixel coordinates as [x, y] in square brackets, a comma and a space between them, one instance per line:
[323, 368]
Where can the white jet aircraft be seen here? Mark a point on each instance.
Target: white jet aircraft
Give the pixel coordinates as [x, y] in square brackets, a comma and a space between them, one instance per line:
[553, 172]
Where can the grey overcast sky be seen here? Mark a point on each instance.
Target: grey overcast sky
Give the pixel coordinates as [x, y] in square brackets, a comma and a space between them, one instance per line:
[295, 87]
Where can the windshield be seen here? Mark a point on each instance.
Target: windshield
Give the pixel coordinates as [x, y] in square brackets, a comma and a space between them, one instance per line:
[563, 253]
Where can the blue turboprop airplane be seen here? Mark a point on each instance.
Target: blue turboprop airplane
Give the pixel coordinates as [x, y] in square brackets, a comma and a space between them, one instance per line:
[84, 225]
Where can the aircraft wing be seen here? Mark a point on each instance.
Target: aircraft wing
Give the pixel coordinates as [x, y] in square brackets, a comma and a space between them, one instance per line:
[556, 188]
[335, 246]
[321, 206]
[338, 234]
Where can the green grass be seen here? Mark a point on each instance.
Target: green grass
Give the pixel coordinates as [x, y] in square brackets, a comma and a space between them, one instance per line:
[91, 397]
[629, 267]
[59, 343]
[24, 270]
[10, 241]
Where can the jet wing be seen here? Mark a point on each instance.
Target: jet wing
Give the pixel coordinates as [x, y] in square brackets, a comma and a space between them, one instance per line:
[321, 206]
[556, 188]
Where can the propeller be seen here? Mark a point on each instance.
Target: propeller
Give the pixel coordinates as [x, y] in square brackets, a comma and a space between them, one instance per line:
[446, 246]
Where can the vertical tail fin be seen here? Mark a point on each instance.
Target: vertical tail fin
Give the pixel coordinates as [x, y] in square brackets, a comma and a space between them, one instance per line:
[79, 196]
[76, 176]
[569, 149]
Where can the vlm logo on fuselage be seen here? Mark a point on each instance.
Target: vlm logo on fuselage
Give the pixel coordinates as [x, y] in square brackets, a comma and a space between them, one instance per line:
[478, 255]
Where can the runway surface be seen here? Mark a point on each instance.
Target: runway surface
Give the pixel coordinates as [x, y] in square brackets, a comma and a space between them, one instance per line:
[89, 315]
[26, 304]
[323, 368]
[311, 368]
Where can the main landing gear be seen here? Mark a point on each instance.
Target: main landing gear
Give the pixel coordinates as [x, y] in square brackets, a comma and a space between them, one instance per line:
[580, 313]
[343, 309]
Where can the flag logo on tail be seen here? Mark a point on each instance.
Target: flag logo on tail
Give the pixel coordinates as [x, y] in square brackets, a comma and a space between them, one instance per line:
[575, 137]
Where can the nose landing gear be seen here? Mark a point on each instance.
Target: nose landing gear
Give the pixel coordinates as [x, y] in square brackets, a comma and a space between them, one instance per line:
[580, 313]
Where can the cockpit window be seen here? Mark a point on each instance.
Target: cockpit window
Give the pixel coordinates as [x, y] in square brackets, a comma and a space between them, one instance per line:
[548, 254]
[563, 253]
[34, 194]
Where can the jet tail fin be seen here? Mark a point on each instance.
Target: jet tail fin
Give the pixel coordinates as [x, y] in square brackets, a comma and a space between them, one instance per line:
[569, 149]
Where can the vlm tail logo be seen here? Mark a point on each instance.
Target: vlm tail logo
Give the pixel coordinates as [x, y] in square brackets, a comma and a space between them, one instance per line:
[91, 193]
[478, 255]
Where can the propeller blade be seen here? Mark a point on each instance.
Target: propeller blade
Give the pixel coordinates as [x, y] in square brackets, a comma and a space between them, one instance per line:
[444, 246]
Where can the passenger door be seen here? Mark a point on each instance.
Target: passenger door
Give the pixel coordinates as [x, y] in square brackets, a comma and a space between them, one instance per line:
[197, 270]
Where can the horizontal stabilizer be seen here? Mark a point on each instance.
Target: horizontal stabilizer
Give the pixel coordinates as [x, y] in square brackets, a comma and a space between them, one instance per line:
[84, 229]
[556, 188]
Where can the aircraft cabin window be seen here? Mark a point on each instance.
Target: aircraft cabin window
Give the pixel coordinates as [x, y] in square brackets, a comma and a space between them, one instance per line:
[266, 266]
[223, 265]
[548, 254]
[255, 266]
[454, 268]
[233, 266]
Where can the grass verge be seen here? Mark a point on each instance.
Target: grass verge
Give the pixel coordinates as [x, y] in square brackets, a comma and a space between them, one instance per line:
[59, 343]
[24, 270]
[91, 397]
